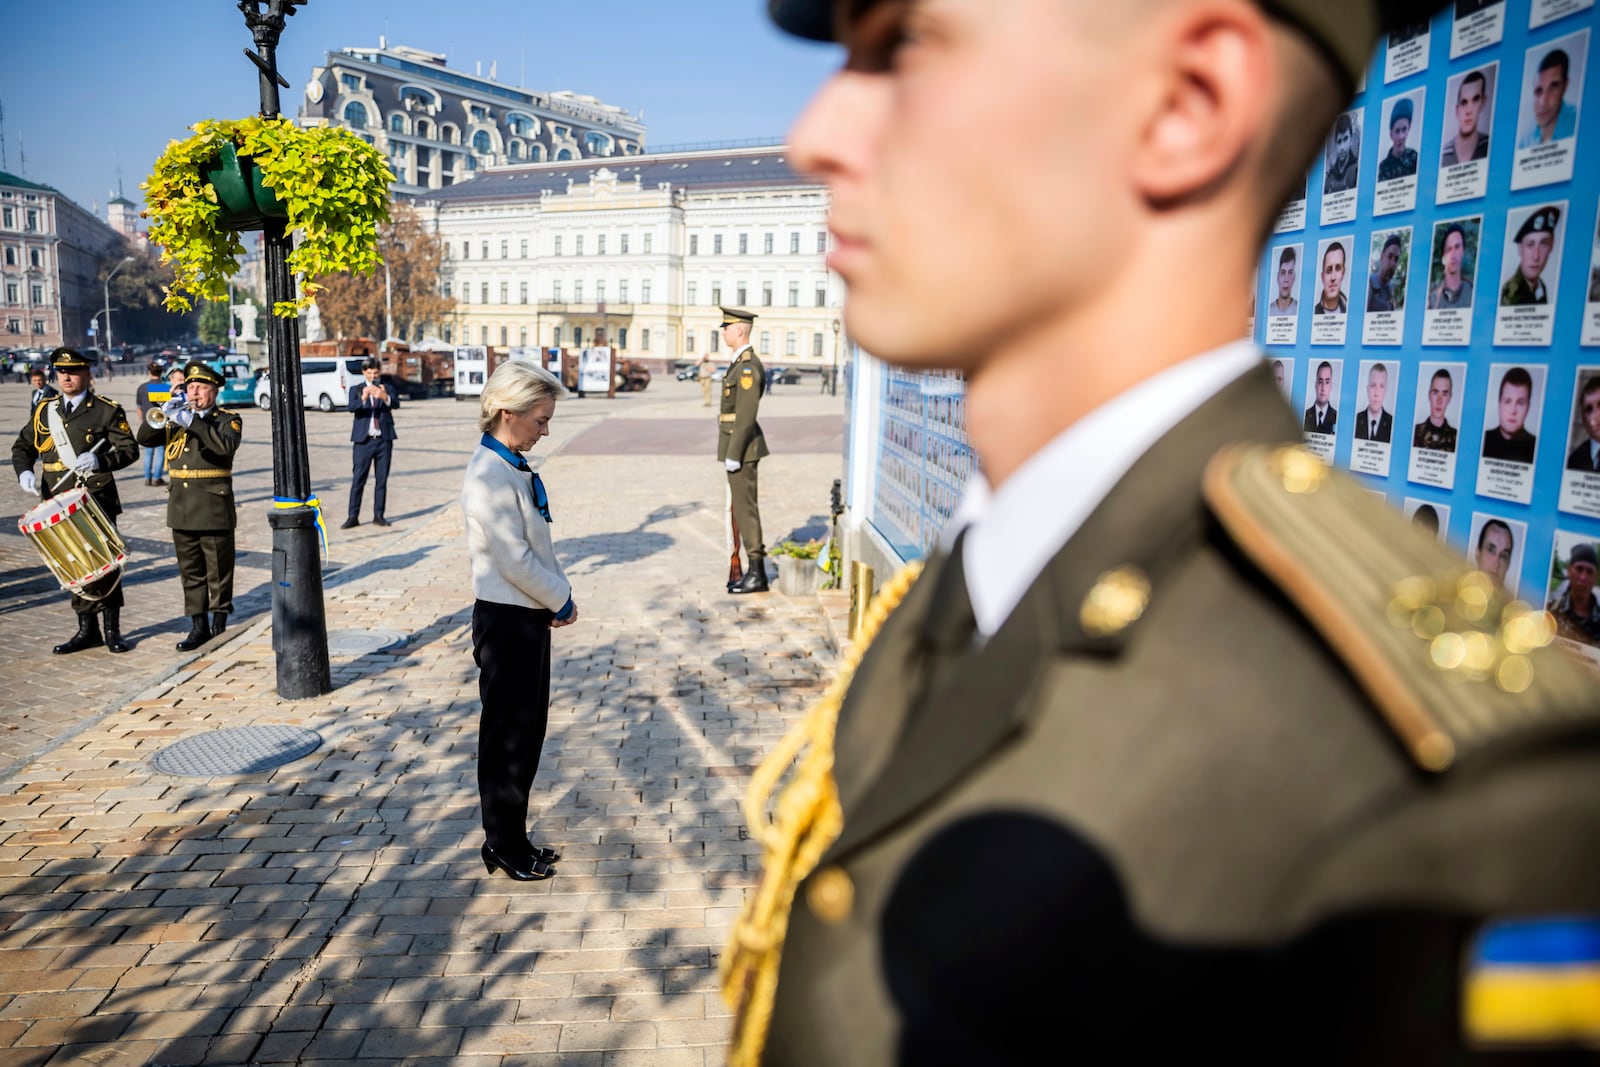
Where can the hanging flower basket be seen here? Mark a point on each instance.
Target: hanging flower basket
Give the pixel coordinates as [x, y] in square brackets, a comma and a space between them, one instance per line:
[327, 185]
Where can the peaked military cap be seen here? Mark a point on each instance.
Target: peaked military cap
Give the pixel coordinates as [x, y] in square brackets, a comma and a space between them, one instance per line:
[730, 316]
[1344, 33]
[1541, 221]
[65, 358]
[201, 372]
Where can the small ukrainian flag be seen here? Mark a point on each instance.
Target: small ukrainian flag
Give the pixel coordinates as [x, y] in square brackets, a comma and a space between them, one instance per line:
[1535, 982]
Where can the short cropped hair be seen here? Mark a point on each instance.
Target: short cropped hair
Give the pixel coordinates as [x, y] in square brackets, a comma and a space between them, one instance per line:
[515, 387]
[1394, 239]
[1519, 377]
[1287, 255]
[1483, 534]
[1555, 58]
[1475, 76]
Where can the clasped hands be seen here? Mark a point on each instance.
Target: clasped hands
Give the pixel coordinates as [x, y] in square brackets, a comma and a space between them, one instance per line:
[556, 624]
[178, 411]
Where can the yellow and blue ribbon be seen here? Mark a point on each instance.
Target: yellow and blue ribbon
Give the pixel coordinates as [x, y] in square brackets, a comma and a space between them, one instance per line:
[1535, 982]
[289, 503]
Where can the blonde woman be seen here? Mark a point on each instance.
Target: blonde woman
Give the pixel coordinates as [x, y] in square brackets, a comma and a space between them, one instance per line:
[521, 596]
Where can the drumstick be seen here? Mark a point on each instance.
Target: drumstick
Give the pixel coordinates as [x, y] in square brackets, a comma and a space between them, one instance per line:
[98, 445]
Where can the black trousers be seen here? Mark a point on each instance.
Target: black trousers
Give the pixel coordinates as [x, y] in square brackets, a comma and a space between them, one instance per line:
[511, 646]
[373, 455]
[205, 566]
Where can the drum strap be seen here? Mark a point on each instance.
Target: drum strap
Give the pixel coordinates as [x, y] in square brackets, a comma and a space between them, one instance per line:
[58, 435]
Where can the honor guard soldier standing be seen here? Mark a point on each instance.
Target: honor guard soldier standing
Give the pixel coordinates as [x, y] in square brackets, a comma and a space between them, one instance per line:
[741, 445]
[81, 431]
[200, 439]
[1181, 743]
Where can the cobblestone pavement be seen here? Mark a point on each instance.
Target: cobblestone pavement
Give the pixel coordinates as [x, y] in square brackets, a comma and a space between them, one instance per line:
[334, 909]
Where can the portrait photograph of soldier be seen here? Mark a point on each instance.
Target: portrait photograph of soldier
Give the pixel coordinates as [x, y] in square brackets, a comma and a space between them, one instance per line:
[1469, 116]
[1342, 167]
[1286, 279]
[1332, 277]
[1321, 393]
[1432, 518]
[1403, 121]
[1571, 599]
[1514, 405]
[1375, 422]
[1283, 375]
[1387, 270]
[1531, 263]
[1495, 547]
[1454, 263]
[1584, 436]
[1439, 407]
[1548, 111]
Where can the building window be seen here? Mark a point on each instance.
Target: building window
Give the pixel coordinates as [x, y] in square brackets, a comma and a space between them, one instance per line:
[466, 249]
[504, 334]
[38, 326]
[744, 243]
[13, 326]
[483, 335]
[600, 245]
[577, 292]
[766, 243]
[8, 217]
[600, 291]
[794, 243]
[522, 337]
[446, 290]
[505, 249]
[716, 244]
[483, 293]
[791, 344]
[485, 249]
[794, 294]
[11, 255]
[558, 244]
[505, 292]
[466, 293]
[479, 114]
[351, 82]
[693, 291]
[33, 220]
[356, 115]
[766, 341]
[35, 257]
[644, 338]
[622, 337]
[644, 294]
[624, 248]
[577, 245]
[522, 292]
[555, 291]
[397, 123]
[622, 291]
[716, 295]
[688, 340]
[37, 292]
[647, 243]
[822, 242]
[11, 292]
[524, 248]
[743, 297]
[447, 332]
[555, 337]
[716, 340]
[577, 336]
[816, 345]
[822, 296]
[481, 142]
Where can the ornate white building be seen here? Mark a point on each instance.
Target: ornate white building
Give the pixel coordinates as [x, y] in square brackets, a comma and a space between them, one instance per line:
[51, 255]
[642, 251]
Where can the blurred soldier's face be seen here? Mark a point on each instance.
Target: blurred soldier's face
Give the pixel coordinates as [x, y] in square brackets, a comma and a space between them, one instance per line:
[1533, 252]
[1494, 554]
[1580, 579]
[1439, 392]
[1277, 374]
[1377, 389]
[1388, 263]
[915, 221]
[1548, 92]
[1454, 249]
[1324, 385]
[1341, 148]
[1469, 105]
[1332, 275]
[1397, 136]
[1513, 408]
[1591, 413]
[1285, 279]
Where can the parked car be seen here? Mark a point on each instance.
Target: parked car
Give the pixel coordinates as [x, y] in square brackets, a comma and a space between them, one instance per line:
[324, 383]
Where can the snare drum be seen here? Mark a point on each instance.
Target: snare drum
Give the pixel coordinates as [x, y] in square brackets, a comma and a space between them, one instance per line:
[75, 539]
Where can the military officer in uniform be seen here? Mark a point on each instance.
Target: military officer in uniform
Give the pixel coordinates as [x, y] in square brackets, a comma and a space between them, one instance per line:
[79, 430]
[1435, 431]
[1181, 743]
[200, 439]
[1535, 240]
[741, 444]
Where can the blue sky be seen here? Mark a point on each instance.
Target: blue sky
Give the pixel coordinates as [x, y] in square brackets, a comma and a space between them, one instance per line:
[91, 85]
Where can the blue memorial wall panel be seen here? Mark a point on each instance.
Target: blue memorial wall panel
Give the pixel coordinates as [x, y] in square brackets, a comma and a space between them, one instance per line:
[924, 459]
[1433, 303]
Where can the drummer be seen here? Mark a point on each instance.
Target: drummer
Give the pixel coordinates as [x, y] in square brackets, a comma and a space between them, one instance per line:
[81, 438]
[200, 439]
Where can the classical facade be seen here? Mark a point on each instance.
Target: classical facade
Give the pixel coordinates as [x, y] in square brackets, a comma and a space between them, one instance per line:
[440, 126]
[51, 253]
[641, 252]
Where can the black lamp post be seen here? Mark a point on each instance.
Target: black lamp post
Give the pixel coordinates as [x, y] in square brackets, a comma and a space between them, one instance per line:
[299, 624]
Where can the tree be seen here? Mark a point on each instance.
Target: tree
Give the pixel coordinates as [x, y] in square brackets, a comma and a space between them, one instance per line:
[353, 306]
[136, 294]
[214, 322]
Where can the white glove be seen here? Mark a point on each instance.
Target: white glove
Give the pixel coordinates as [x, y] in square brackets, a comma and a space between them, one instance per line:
[174, 405]
[183, 417]
[29, 483]
[731, 465]
[87, 463]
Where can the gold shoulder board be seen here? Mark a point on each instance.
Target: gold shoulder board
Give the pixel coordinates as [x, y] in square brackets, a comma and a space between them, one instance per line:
[1453, 664]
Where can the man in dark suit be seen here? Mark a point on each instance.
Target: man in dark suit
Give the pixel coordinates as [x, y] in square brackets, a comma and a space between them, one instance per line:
[1586, 457]
[79, 438]
[1373, 423]
[1158, 757]
[38, 388]
[1510, 439]
[372, 437]
[1322, 416]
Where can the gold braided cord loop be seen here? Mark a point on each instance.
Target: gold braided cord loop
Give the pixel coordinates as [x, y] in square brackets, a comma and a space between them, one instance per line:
[806, 820]
[175, 443]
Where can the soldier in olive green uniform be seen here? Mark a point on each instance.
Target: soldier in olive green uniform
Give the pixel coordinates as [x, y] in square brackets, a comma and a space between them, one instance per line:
[200, 439]
[741, 445]
[1535, 240]
[88, 420]
[1184, 744]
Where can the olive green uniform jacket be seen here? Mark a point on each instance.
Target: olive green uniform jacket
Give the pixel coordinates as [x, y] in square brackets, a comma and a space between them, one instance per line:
[1113, 837]
[742, 387]
[96, 419]
[200, 467]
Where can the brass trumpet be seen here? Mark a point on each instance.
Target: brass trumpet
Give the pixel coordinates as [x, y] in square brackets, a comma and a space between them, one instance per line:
[156, 418]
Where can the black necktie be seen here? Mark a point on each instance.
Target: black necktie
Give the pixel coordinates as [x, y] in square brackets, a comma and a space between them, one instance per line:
[950, 622]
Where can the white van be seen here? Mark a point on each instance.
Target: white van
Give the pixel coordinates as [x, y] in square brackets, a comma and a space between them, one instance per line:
[325, 383]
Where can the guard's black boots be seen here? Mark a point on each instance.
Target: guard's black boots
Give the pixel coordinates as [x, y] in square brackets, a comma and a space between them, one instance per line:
[88, 636]
[198, 636]
[219, 623]
[114, 641]
[755, 577]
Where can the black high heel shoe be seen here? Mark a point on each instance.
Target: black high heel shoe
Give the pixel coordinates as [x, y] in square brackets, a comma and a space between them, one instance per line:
[536, 871]
[544, 855]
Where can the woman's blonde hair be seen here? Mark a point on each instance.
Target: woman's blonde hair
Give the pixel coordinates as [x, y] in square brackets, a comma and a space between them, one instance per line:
[515, 387]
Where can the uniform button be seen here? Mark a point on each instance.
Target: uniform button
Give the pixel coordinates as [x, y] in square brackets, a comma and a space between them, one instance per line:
[1115, 603]
[830, 894]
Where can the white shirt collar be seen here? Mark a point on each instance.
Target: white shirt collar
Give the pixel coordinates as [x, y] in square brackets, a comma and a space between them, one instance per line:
[739, 351]
[1016, 530]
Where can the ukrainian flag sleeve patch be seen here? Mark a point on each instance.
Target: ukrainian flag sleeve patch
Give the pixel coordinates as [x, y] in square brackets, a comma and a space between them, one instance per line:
[1534, 983]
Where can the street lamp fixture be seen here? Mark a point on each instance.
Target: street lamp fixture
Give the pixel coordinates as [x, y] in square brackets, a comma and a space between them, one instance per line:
[833, 375]
[107, 293]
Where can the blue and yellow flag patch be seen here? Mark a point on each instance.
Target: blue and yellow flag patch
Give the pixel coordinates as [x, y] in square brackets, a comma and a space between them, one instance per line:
[1535, 982]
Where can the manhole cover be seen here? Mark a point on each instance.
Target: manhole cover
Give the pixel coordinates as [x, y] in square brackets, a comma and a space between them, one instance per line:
[239, 750]
[360, 642]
